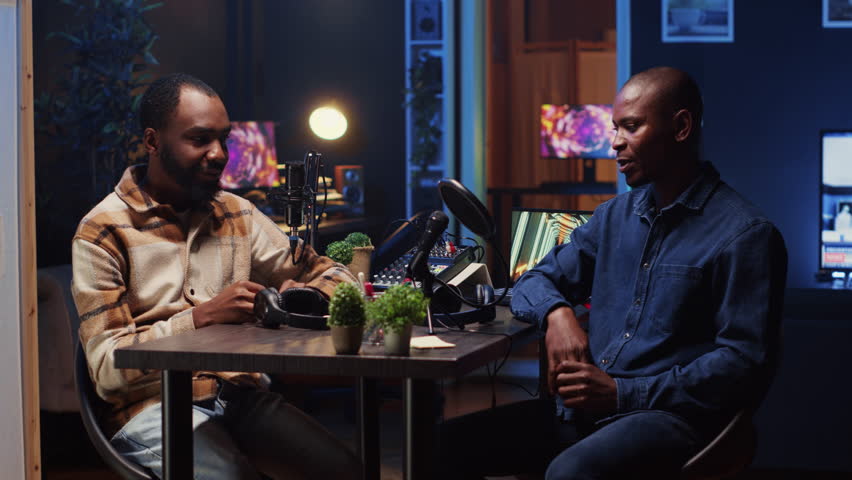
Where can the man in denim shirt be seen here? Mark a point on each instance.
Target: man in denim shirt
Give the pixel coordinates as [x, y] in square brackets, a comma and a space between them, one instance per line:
[686, 280]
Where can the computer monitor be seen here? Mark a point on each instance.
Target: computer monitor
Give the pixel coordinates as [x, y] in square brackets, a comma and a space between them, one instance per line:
[576, 131]
[536, 231]
[835, 242]
[252, 160]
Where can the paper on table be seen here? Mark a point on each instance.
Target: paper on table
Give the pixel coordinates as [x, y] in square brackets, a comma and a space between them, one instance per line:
[430, 341]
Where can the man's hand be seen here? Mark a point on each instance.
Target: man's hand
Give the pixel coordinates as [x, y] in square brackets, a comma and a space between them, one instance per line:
[565, 340]
[233, 305]
[585, 386]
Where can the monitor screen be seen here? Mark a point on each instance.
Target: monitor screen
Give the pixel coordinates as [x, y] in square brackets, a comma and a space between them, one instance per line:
[836, 201]
[535, 232]
[252, 161]
[576, 131]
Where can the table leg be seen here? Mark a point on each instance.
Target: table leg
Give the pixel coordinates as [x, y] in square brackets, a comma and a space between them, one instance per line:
[177, 425]
[421, 408]
[368, 427]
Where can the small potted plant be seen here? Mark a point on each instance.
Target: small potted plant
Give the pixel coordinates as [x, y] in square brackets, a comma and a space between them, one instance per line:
[395, 312]
[354, 251]
[340, 251]
[346, 318]
[362, 250]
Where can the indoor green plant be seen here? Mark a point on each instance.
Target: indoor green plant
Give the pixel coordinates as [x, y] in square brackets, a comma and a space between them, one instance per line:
[86, 112]
[423, 97]
[346, 318]
[395, 311]
[340, 251]
[92, 110]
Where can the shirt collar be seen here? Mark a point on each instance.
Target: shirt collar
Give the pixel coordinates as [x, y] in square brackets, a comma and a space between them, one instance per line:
[693, 198]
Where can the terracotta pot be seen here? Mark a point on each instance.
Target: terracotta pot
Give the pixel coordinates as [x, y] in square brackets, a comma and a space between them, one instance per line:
[361, 261]
[346, 339]
[398, 343]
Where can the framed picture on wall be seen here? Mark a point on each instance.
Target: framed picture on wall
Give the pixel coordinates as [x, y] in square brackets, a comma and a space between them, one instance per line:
[701, 21]
[837, 14]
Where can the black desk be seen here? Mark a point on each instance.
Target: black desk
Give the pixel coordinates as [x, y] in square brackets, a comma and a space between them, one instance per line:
[249, 348]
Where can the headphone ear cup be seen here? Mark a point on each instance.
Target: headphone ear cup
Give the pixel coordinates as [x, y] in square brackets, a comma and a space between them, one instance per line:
[484, 293]
[267, 308]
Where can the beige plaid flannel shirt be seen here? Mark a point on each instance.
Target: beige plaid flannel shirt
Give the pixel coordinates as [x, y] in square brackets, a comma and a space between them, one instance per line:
[138, 273]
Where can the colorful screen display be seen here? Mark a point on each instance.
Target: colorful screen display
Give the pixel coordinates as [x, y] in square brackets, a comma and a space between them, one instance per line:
[535, 232]
[836, 222]
[252, 161]
[576, 131]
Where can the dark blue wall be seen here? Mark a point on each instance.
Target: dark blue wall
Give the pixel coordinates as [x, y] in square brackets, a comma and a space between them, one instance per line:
[767, 96]
[352, 54]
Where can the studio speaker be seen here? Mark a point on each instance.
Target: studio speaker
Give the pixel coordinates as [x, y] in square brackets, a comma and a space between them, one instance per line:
[426, 20]
[349, 181]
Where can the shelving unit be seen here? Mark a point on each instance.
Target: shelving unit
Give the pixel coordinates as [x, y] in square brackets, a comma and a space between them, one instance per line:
[429, 27]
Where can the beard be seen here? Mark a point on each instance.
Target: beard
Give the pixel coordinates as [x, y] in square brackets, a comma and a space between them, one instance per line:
[200, 193]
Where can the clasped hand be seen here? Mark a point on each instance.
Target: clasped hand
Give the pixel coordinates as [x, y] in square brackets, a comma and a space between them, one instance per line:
[585, 386]
[571, 374]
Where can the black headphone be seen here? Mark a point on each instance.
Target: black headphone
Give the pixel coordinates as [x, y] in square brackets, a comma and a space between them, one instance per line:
[444, 301]
[296, 307]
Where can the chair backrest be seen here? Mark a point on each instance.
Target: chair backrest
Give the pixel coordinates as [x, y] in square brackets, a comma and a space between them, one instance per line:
[730, 452]
[89, 401]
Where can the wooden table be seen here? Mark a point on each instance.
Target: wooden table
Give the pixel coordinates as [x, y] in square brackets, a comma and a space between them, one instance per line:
[249, 348]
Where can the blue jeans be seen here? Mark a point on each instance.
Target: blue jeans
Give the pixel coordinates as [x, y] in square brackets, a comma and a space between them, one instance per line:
[240, 434]
[526, 437]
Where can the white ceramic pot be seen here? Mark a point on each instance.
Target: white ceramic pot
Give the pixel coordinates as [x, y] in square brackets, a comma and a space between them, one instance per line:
[346, 339]
[398, 343]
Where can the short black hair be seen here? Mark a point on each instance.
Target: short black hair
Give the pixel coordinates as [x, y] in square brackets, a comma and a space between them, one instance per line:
[161, 99]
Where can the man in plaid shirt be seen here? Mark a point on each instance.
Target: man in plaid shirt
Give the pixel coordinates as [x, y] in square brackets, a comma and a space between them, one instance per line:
[168, 252]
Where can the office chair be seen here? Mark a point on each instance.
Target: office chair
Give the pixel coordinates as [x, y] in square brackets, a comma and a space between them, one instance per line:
[726, 455]
[89, 401]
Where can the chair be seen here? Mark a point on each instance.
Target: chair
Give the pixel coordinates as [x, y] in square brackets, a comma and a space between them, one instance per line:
[89, 405]
[726, 455]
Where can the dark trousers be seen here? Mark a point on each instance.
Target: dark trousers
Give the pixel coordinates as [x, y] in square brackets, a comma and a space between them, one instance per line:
[526, 437]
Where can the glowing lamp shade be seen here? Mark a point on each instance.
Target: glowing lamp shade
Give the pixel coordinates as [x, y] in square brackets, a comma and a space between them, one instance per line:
[328, 123]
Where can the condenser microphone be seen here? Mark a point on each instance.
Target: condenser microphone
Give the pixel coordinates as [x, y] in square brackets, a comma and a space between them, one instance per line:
[294, 174]
[418, 268]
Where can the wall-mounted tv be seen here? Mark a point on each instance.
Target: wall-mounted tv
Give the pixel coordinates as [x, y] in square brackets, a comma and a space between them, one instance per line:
[252, 160]
[576, 131]
[835, 242]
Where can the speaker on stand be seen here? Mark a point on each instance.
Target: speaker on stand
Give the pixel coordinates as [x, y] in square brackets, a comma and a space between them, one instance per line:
[349, 181]
[426, 20]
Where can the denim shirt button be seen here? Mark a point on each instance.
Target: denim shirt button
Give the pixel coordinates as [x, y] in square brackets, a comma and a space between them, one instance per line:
[646, 265]
[627, 335]
[604, 361]
[637, 301]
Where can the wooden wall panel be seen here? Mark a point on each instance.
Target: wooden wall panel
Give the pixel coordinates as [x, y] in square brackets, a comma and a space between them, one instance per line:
[521, 75]
[27, 245]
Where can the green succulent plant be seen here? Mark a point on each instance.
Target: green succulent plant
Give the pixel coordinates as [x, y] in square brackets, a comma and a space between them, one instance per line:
[347, 306]
[340, 251]
[358, 239]
[398, 306]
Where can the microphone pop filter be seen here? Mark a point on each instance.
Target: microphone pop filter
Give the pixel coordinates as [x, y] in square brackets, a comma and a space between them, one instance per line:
[466, 207]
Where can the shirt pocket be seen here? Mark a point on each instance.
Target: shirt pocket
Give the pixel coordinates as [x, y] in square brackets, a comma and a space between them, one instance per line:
[678, 294]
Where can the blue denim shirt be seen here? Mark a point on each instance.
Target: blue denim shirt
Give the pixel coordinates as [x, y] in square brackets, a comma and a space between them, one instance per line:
[686, 301]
